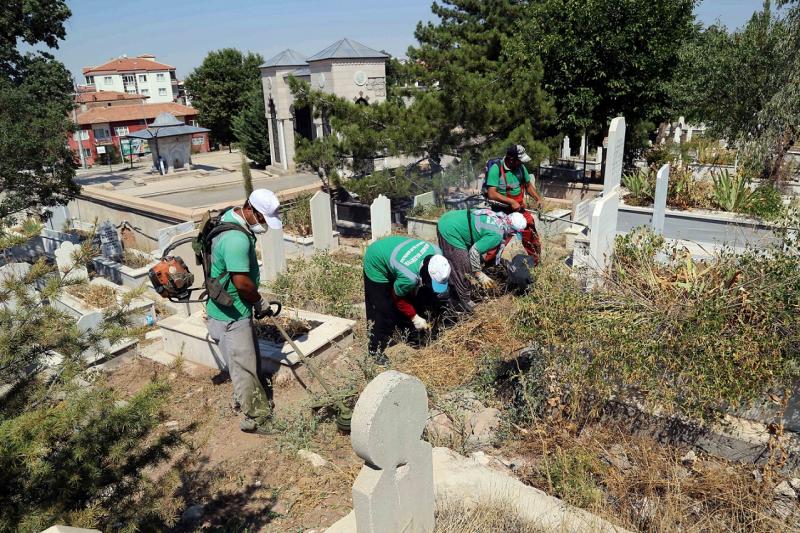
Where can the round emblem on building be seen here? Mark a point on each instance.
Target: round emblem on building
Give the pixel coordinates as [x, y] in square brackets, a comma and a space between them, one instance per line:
[321, 80]
[360, 77]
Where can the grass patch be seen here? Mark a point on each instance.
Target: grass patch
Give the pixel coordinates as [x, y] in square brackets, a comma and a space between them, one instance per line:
[97, 296]
[691, 337]
[427, 212]
[321, 283]
[135, 259]
[496, 516]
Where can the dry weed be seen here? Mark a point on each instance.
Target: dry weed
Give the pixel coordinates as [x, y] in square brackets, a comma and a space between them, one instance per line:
[98, 296]
[495, 516]
[454, 358]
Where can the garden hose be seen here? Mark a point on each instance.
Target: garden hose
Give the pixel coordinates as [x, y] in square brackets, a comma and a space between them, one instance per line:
[343, 413]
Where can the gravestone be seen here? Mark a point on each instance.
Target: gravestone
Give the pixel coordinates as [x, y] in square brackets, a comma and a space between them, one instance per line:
[110, 245]
[425, 198]
[393, 492]
[165, 235]
[603, 233]
[273, 254]
[582, 150]
[321, 225]
[660, 199]
[59, 218]
[381, 217]
[598, 158]
[677, 137]
[65, 259]
[616, 149]
[583, 211]
[565, 149]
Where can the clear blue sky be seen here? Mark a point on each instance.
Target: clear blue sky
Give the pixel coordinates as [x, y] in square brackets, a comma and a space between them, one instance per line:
[181, 32]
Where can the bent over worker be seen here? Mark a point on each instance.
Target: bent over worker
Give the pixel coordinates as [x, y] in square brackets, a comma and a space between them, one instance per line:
[234, 263]
[470, 238]
[396, 269]
[507, 182]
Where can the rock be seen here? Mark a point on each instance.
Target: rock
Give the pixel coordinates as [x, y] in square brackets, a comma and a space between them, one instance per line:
[485, 425]
[119, 404]
[314, 459]
[689, 459]
[193, 513]
[480, 458]
[281, 507]
[518, 463]
[172, 424]
[795, 484]
[757, 475]
[439, 426]
[257, 483]
[617, 457]
[646, 509]
[783, 509]
[784, 490]
[172, 376]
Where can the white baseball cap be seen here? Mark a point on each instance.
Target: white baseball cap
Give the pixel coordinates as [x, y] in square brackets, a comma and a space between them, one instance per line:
[517, 221]
[265, 202]
[439, 269]
[518, 151]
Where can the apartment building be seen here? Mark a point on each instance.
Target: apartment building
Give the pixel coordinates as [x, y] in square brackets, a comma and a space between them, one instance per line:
[141, 75]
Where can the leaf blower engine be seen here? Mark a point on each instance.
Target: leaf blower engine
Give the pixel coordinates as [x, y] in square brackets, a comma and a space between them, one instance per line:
[171, 278]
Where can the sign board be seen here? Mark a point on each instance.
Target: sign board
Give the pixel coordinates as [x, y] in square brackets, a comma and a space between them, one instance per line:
[101, 150]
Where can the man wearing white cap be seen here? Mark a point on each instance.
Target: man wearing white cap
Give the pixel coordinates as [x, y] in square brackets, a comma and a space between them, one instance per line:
[396, 268]
[507, 182]
[235, 267]
[470, 238]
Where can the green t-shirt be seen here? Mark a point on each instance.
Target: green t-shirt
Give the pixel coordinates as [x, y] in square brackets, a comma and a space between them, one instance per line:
[232, 251]
[487, 233]
[514, 180]
[397, 260]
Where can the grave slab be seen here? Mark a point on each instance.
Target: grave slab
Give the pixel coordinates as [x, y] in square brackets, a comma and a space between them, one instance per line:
[65, 259]
[188, 337]
[603, 232]
[660, 200]
[273, 254]
[426, 198]
[321, 221]
[381, 217]
[616, 148]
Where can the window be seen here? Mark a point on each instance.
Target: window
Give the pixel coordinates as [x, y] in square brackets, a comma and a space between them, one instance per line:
[101, 133]
[193, 123]
[106, 80]
[162, 91]
[160, 76]
[84, 135]
[87, 152]
[121, 131]
[142, 78]
[144, 92]
[130, 90]
[128, 78]
[90, 80]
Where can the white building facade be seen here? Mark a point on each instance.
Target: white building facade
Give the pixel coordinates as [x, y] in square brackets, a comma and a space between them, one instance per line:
[141, 75]
[346, 68]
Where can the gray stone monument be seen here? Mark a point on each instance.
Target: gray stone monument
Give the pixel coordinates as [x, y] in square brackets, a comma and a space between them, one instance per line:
[393, 493]
[660, 200]
[273, 254]
[321, 225]
[59, 218]
[381, 217]
[65, 259]
[616, 149]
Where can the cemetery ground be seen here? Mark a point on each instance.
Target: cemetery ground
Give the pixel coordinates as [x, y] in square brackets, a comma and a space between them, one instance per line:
[511, 387]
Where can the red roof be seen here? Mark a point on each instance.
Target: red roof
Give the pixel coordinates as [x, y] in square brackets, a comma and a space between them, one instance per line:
[105, 96]
[128, 64]
[124, 113]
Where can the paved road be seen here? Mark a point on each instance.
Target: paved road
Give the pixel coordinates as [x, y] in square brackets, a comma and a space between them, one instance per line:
[232, 193]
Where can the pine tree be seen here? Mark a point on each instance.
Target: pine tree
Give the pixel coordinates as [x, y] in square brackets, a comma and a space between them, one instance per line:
[250, 128]
[247, 176]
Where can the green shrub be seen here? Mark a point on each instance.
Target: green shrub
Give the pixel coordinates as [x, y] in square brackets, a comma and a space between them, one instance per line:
[390, 184]
[731, 191]
[641, 186]
[766, 202]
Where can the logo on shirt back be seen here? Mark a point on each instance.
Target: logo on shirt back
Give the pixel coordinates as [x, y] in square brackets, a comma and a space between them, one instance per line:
[414, 253]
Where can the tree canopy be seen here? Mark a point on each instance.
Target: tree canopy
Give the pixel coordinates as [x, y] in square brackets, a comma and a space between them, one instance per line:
[219, 89]
[250, 127]
[36, 166]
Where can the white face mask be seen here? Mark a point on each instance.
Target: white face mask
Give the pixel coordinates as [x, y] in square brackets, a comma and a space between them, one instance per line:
[257, 228]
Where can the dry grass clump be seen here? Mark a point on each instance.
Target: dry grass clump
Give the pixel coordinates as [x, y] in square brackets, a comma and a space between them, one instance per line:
[295, 328]
[644, 485]
[454, 358]
[98, 296]
[495, 517]
[132, 259]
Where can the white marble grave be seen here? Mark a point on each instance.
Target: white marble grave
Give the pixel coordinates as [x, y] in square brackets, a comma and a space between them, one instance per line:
[381, 217]
[598, 158]
[603, 233]
[582, 150]
[616, 149]
[65, 259]
[566, 152]
[393, 492]
[425, 198]
[59, 218]
[321, 225]
[273, 254]
[660, 200]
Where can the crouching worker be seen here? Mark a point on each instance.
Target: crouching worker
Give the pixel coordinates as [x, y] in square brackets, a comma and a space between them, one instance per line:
[507, 181]
[399, 274]
[234, 273]
[470, 238]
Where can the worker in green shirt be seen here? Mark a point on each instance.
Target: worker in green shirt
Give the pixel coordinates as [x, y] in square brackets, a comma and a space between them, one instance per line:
[470, 238]
[234, 263]
[397, 270]
[507, 181]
